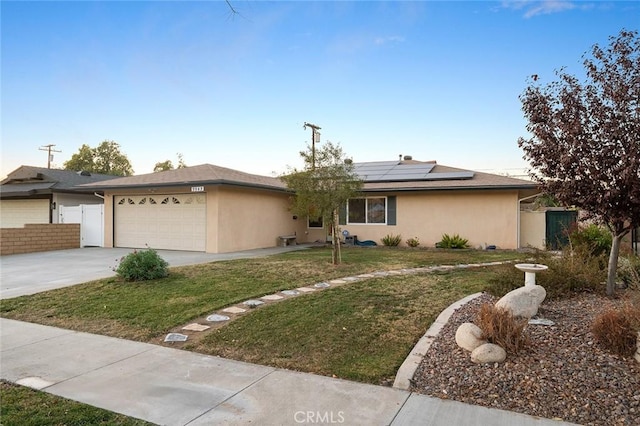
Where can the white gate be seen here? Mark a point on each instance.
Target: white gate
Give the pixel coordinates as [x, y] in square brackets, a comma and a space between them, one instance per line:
[91, 220]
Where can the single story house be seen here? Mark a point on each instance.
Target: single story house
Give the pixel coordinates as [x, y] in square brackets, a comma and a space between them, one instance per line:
[216, 209]
[200, 208]
[33, 195]
[425, 200]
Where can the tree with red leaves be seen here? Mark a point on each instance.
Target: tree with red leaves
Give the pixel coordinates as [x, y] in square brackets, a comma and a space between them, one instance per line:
[585, 143]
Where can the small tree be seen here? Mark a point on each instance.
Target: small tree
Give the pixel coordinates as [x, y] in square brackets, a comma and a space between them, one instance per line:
[585, 148]
[106, 159]
[163, 166]
[81, 160]
[168, 165]
[323, 187]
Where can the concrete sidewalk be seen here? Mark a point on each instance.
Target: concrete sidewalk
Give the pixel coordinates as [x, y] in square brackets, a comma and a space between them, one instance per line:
[174, 387]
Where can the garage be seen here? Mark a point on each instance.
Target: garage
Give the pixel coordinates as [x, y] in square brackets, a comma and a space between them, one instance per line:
[16, 213]
[166, 221]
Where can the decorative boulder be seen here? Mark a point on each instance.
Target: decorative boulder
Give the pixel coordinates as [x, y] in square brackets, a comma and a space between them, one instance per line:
[469, 336]
[488, 353]
[523, 301]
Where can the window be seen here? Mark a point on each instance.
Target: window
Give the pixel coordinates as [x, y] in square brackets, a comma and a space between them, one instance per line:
[315, 223]
[312, 221]
[367, 210]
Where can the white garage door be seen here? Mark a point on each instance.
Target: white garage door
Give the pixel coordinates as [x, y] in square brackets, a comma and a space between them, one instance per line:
[172, 222]
[16, 213]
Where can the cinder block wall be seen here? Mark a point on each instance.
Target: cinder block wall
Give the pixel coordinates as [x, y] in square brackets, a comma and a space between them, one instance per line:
[39, 237]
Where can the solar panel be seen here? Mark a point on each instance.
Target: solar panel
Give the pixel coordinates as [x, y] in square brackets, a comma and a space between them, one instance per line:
[371, 177]
[394, 171]
[450, 176]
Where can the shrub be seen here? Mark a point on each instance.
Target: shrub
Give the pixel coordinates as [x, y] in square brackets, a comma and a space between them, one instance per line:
[592, 238]
[629, 271]
[617, 329]
[141, 265]
[500, 327]
[413, 242]
[391, 240]
[572, 271]
[575, 270]
[504, 279]
[453, 242]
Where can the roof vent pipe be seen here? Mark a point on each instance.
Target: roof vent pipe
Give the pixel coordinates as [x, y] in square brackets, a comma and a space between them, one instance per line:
[408, 158]
[400, 157]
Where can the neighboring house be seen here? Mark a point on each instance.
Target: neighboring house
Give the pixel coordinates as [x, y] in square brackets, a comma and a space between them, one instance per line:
[215, 209]
[34, 195]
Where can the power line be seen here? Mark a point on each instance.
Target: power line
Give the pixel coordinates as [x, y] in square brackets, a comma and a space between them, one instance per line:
[49, 149]
[315, 137]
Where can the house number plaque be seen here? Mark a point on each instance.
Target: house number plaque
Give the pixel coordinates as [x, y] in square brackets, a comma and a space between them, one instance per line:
[197, 189]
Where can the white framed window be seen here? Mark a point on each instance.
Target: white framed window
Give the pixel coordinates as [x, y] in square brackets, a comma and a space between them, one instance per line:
[370, 210]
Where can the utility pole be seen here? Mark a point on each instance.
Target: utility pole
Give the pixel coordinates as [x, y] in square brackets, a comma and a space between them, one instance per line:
[315, 136]
[49, 149]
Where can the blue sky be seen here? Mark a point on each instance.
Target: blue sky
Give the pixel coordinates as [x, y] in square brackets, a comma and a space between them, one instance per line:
[435, 80]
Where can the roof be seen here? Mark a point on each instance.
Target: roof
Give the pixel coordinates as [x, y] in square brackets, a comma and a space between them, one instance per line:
[29, 180]
[432, 177]
[204, 174]
[405, 171]
[441, 177]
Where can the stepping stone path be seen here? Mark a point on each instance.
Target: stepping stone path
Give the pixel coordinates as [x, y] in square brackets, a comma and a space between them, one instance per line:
[272, 297]
[235, 311]
[217, 318]
[196, 327]
[176, 337]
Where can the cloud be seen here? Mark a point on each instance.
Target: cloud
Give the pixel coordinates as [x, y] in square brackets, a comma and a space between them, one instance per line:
[544, 7]
[358, 42]
[388, 39]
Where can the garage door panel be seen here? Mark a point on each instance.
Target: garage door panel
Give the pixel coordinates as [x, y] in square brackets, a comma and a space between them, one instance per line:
[17, 213]
[174, 221]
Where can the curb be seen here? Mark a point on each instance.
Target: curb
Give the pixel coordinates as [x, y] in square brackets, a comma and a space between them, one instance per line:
[413, 360]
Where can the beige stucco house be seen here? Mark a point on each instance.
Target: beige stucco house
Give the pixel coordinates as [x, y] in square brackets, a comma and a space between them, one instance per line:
[200, 208]
[425, 200]
[217, 210]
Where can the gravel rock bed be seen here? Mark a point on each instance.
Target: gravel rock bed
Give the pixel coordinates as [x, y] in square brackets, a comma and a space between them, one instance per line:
[562, 374]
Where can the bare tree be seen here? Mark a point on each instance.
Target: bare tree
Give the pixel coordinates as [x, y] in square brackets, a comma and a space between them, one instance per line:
[585, 148]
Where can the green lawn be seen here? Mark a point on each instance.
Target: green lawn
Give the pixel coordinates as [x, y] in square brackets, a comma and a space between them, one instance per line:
[21, 406]
[360, 331]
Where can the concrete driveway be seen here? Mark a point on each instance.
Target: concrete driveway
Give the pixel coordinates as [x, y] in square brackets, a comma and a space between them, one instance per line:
[22, 274]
